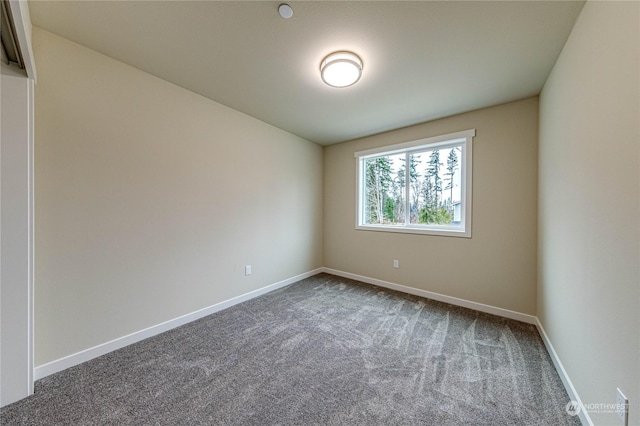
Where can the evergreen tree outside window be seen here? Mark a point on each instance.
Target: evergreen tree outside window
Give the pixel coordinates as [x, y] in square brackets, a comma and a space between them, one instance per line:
[422, 186]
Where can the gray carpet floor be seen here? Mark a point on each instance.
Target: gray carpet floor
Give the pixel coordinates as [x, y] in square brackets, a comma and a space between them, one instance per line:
[325, 350]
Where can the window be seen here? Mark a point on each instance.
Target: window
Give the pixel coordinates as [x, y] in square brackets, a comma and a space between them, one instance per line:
[421, 187]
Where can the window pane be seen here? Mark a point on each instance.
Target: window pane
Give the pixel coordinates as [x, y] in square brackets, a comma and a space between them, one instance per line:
[418, 187]
[384, 190]
[435, 186]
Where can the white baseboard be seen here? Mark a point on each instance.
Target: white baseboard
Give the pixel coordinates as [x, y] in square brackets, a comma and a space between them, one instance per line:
[506, 313]
[568, 385]
[104, 348]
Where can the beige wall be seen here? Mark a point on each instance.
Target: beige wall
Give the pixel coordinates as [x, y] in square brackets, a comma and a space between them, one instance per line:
[497, 266]
[589, 233]
[150, 200]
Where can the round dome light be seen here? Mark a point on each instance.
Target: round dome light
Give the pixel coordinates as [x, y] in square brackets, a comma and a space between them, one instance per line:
[341, 69]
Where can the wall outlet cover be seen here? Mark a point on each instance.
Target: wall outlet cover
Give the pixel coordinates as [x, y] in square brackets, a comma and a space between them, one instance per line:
[622, 407]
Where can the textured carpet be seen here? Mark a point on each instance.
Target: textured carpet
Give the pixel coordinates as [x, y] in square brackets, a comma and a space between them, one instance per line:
[326, 350]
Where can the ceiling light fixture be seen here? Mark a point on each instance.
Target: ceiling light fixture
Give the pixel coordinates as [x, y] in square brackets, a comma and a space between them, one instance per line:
[341, 69]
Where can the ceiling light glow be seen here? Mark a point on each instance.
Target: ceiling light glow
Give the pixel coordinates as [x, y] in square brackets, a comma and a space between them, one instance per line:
[341, 69]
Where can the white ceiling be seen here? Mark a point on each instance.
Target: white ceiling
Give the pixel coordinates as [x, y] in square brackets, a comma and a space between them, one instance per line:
[422, 60]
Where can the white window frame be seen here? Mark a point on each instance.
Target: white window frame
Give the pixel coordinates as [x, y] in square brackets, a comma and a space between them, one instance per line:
[463, 139]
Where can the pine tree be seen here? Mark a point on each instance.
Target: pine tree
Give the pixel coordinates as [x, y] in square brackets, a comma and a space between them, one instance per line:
[389, 210]
[433, 173]
[414, 182]
[452, 167]
[399, 192]
[378, 181]
[428, 195]
[438, 215]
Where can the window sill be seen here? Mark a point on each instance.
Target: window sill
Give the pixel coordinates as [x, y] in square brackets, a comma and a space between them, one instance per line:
[444, 232]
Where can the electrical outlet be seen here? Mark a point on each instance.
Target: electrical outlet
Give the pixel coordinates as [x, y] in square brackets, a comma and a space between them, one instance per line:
[247, 270]
[622, 407]
[396, 264]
